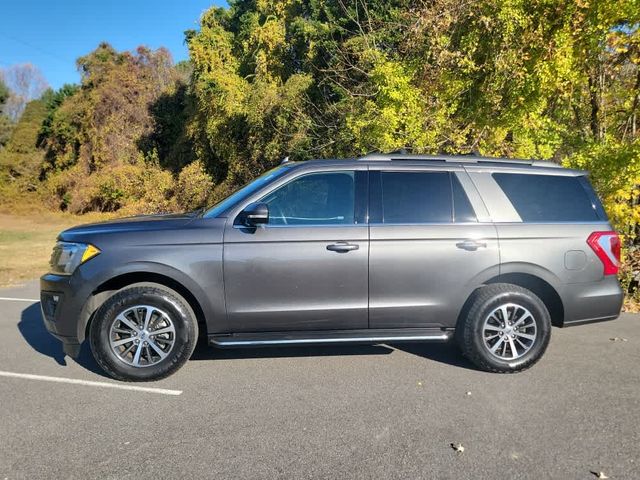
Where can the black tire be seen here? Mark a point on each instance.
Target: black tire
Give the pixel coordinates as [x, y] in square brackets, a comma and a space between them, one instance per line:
[158, 296]
[469, 332]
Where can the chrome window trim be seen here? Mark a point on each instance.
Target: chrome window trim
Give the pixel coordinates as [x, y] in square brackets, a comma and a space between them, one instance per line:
[431, 224]
[315, 225]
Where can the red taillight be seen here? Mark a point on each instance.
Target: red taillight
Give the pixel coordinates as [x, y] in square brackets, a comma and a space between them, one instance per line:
[606, 245]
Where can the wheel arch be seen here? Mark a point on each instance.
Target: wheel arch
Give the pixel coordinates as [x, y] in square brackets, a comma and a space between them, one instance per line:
[542, 287]
[112, 285]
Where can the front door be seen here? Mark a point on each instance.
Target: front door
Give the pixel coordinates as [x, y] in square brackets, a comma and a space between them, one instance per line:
[307, 268]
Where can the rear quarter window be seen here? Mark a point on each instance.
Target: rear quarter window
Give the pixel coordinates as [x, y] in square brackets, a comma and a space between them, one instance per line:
[548, 198]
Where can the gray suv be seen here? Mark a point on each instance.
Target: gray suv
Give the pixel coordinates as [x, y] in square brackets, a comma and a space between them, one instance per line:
[384, 248]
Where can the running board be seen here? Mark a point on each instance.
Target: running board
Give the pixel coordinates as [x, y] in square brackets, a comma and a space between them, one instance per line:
[330, 337]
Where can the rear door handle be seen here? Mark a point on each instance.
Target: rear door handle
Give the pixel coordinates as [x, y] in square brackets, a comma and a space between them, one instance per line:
[471, 245]
[342, 247]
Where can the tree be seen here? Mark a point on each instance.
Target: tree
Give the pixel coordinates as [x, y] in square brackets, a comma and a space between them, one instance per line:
[5, 123]
[106, 140]
[25, 83]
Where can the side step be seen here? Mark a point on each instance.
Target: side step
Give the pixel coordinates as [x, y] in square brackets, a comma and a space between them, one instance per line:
[330, 337]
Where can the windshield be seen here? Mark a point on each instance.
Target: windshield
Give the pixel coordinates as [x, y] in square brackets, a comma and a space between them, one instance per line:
[246, 191]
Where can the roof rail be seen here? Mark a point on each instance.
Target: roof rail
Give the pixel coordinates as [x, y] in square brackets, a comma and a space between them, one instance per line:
[465, 158]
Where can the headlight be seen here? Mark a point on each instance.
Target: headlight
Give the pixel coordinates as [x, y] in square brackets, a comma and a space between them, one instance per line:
[67, 256]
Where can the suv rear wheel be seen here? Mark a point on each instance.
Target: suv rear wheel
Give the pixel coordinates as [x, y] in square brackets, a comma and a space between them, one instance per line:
[507, 329]
[143, 333]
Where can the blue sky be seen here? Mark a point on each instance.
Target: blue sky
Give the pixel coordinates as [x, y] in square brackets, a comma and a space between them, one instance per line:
[52, 34]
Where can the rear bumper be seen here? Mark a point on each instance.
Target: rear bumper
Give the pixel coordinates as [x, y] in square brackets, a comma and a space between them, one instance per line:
[592, 302]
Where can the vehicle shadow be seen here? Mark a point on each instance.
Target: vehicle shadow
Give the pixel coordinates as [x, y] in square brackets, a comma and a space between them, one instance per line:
[447, 353]
[206, 352]
[35, 334]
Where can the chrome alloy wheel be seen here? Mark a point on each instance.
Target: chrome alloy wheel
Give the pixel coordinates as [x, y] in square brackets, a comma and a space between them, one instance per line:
[509, 331]
[142, 336]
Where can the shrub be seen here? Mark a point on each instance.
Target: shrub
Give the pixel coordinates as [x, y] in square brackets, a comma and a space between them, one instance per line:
[194, 186]
[130, 188]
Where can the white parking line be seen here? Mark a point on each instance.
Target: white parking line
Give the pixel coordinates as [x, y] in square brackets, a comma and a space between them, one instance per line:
[10, 299]
[28, 376]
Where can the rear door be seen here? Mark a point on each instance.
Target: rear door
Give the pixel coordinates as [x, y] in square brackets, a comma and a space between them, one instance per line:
[431, 244]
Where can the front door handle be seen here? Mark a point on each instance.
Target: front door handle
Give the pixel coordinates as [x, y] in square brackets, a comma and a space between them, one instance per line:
[471, 245]
[342, 247]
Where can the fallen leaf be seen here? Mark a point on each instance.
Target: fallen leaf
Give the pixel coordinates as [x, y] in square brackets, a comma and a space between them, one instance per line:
[457, 447]
[600, 475]
[618, 339]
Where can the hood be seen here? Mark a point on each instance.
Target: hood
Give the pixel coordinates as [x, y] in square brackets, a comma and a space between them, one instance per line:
[130, 224]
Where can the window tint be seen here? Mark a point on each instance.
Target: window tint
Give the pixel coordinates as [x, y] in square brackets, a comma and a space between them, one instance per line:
[315, 199]
[416, 197]
[463, 211]
[547, 198]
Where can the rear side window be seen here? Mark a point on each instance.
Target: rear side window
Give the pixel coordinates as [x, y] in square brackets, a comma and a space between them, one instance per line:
[547, 198]
[416, 197]
[423, 197]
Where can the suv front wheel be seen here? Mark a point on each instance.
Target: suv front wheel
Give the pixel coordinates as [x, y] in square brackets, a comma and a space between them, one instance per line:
[507, 329]
[143, 333]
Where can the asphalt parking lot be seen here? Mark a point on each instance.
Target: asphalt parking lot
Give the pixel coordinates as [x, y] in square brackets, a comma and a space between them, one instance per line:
[339, 412]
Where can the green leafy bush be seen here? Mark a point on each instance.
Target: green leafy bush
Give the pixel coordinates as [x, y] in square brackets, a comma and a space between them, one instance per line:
[194, 186]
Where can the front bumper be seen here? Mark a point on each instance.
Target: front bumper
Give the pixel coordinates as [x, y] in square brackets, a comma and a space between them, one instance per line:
[63, 302]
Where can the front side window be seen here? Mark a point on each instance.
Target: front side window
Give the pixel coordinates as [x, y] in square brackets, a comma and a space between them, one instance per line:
[325, 198]
[416, 197]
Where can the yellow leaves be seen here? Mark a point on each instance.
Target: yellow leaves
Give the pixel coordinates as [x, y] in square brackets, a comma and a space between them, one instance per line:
[615, 172]
[273, 7]
[394, 116]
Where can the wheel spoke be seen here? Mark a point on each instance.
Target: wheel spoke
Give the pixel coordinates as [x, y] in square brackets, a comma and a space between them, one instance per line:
[492, 328]
[525, 335]
[128, 349]
[505, 314]
[127, 322]
[136, 357]
[497, 344]
[160, 331]
[521, 344]
[523, 318]
[122, 341]
[148, 353]
[147, 317]
[158, 350]
[514, 352]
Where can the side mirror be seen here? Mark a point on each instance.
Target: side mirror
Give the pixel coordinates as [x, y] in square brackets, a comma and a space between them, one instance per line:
[255, 214]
